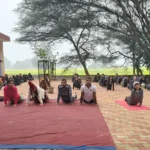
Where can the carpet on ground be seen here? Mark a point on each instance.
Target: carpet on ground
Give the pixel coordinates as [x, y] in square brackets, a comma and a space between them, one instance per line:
[54, 126]
[124, 104]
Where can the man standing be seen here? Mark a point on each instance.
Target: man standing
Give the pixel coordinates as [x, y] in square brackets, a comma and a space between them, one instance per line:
[88, 92]
[65, 92]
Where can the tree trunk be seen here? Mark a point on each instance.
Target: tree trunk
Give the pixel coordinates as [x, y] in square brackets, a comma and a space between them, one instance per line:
[133, 70]
[83, 62]
[85, 69]
[133, 58]
[139, 71]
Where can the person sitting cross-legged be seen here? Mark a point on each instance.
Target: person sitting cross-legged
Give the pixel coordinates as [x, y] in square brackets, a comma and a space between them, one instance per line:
[136, 95]
[11, 95]
[65, 92]
[36, 94]
[88, 92]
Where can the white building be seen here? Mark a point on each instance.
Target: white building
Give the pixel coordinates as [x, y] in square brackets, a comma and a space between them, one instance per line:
[3, 38]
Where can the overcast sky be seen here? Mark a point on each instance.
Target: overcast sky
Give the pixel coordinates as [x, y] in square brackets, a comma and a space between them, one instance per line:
[12, 50]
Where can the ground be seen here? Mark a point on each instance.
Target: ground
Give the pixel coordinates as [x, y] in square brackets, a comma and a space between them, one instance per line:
[129, 129]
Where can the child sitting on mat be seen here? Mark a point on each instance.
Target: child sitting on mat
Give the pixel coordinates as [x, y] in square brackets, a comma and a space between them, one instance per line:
[136, 95]
[65, 92]
[11, 95]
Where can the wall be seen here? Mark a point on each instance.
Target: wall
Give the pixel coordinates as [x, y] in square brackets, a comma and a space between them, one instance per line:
[2, 69]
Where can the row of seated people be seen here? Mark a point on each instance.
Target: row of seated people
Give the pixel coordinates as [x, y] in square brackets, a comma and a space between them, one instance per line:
[39, 96]
[106, 81]
[17, 80]
[125, 81]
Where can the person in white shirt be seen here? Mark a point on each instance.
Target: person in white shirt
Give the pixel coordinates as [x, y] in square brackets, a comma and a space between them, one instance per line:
[88, 92]
[36, 94]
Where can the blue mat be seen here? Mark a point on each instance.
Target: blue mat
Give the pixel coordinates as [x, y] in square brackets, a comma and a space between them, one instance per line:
[46, 146]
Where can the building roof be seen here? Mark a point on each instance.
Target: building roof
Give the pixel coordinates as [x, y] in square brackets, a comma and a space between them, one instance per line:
[4, 38]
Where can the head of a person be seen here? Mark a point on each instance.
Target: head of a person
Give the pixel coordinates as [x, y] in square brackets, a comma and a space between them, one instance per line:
[43, 84]
[10, 83]
[136, 85]
[75, 75]
[98, 74]
[32, 86]
[111, 78]
[79, 78]
[135, 77]
[88, 80]
[107, 77]
[63, 82]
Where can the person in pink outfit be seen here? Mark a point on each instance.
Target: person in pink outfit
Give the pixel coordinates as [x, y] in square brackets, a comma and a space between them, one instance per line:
[11, 95]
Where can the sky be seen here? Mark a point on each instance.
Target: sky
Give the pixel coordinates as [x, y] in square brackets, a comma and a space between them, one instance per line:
[13, 50]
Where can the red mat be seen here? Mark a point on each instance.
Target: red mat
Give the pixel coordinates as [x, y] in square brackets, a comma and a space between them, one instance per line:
[131, 107]
[54, 124]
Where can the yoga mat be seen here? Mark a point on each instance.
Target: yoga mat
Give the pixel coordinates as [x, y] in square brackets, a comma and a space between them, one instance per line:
[53, 125]
[131, 107]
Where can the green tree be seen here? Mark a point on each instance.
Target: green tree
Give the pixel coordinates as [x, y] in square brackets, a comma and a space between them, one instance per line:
[51, 21]
[128, 20]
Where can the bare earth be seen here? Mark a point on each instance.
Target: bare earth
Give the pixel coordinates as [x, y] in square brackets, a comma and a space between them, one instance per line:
[130, 129]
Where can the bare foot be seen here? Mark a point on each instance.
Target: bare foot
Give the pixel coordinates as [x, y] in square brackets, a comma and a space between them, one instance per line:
[15, 105]
[41, 104]
[27, 104]
[4, 105]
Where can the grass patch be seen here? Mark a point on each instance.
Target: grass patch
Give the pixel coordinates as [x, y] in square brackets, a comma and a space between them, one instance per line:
[80, 71]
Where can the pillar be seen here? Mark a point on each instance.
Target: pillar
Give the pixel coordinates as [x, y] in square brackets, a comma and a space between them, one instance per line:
[2, 68]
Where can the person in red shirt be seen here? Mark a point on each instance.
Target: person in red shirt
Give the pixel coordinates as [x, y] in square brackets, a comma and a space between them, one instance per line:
[11, 95]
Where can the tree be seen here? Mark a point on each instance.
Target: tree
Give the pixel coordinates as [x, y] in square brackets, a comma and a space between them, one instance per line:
[128, 19]
[51, 21]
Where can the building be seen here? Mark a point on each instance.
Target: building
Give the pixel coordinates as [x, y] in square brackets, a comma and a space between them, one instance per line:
[3, 38]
